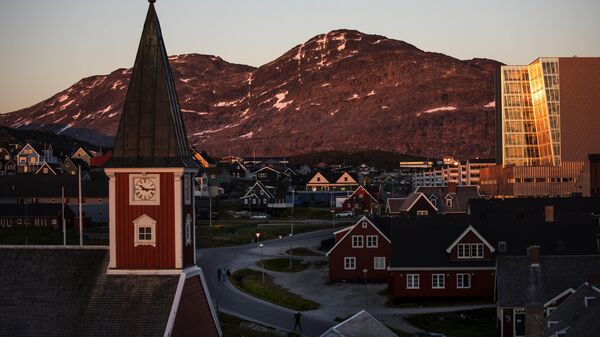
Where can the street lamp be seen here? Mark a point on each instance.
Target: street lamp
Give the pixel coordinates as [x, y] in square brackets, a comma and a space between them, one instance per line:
[262, 263]
[292, 227]
[258, 238]
[365, 274]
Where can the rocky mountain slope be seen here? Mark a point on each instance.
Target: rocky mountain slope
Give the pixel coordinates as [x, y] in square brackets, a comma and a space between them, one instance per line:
[343, 90]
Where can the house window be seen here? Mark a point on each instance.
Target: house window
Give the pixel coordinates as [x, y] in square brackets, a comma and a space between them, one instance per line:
[357, 241]
[349, 263]
[254, 201]
[372, 241]
[470, 250]
[433, 201]
[379, 262]
[477, 250]
[437, 281]
[19, 221]
[45, 170]
[463, 281]
[188, 230]
[422, 212]
[54, 221]
[502, 246]
[264, 201]
[345, 178]
[449, 202]
[364, 224]
[246, 201]
[412, 281]
[318, 178]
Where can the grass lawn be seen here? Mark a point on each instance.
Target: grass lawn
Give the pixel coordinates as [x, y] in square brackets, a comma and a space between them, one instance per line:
[301, 251]
[319, 264]
[283, 265]
[49, 236]
[230, 325]
[250, 281]
[472, 323]
[230, 234]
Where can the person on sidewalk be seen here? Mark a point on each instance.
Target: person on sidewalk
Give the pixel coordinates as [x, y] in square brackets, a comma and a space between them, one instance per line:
[219, 273]
[297, 316]
[228, 274]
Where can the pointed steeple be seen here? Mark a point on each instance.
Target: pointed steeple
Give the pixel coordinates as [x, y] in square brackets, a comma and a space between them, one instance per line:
[151, 131]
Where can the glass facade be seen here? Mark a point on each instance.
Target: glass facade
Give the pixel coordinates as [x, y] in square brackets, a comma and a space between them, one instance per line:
[531, 113]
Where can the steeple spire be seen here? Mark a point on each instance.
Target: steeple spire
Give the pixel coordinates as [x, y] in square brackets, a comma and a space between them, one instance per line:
[151, 131]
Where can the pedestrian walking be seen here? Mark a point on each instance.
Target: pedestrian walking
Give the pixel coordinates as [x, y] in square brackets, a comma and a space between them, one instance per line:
[297, 318]
[228, 274]
[219, 273]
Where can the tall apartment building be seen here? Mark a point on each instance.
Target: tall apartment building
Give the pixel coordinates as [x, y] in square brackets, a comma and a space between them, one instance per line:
[548, 122]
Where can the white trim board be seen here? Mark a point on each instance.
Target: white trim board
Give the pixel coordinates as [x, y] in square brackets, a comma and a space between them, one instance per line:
[474, 231]
[351, 228]
[175, 306]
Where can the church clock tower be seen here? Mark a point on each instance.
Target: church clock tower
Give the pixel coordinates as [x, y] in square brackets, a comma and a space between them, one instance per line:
[151, 200]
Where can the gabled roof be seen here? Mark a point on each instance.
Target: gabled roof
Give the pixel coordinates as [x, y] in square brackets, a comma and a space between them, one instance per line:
[351, 228]
[151, 130]
[360, 325]
[258, 185]
[362, 188]
[47, 166]
[31, 146]
[470, 229]
[519, 284]
[461, 197]
[577, 315]
[265, 168]
[100, 160]
[393, 205]
[412, 199]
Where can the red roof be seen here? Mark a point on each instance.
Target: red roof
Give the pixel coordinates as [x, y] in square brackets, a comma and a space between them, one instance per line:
[100, 160]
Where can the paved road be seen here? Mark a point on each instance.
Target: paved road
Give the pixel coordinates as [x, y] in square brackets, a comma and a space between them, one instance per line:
[232, 301]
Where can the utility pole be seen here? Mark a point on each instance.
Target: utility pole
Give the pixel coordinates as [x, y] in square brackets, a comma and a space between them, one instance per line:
[292, 227]
[262, 263]
[64, 226]
[80, 211]
[365, 274]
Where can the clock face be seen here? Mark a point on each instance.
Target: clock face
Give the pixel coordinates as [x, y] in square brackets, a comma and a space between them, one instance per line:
[145, 189]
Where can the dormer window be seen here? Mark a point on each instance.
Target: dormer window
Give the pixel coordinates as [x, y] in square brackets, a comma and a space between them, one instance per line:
[449, 202]
[470, 250]
[502, 246]
[433, 200]
[145, 231]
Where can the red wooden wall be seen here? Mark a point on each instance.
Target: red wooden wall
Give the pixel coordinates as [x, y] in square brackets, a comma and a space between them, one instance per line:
[482, 284]
[145, 257]
[364, 257]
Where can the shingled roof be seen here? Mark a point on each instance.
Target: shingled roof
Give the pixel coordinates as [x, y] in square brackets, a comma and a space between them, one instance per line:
[520, 284]
[579, 312]
[360, 325]
[66, 292]
[151, 131]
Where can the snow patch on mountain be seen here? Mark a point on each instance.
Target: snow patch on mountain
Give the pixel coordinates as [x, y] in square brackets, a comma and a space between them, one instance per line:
[280, 104]
[354, 96]
[66, 105]
[443, 108]
[77, 115]
[371, 93]
[228, 126]
[63, 98]
[491, 104]
[230, 103]
[64, 128]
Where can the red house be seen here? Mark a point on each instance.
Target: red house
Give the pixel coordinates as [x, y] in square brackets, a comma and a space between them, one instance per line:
[361, 201]
[442, 256]
[362, 246]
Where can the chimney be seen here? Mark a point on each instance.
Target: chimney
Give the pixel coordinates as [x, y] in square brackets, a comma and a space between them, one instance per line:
[534, 255]
[451, 187]
[534, 320]
[549, 213]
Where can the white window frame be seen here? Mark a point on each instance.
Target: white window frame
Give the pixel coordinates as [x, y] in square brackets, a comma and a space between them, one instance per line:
[349, 263]
[478, 248]
[422, 212]
[449, 202]
[144, 221]
[374, 242]
[460, 280]
[357, 241]
[364, 224]
[413, 281]
[463, 251]
[379, 263]
[435, 281]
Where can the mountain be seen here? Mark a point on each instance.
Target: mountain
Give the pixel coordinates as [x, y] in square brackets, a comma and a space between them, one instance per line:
[344, 90]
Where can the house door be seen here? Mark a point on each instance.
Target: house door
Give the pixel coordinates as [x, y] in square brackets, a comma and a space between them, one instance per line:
[519, 325]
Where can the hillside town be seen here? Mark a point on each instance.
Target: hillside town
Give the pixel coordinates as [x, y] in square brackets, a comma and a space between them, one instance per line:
[158, 236]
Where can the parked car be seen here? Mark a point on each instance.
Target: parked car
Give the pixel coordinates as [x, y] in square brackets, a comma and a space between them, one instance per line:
[344, 214]
[428, 334]
[258, 217]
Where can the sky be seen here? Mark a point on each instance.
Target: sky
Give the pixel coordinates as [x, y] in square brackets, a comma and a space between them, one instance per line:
[46, 46]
